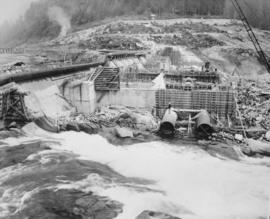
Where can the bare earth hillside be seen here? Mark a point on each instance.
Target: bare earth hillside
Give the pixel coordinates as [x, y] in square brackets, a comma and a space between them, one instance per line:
[223, 42]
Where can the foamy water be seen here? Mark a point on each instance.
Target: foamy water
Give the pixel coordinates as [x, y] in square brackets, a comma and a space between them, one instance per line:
[187, 181]
[195, 184]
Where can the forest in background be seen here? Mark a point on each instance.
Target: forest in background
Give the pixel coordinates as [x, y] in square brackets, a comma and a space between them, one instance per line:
[36, 24]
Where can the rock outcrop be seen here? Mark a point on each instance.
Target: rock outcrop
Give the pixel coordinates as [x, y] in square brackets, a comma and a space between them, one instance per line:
[69, 204]
[123, 132]
[259, 147]
[155, 215]
[267, 136]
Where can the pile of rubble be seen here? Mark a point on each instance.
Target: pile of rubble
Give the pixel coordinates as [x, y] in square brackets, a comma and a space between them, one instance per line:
[112, 43]
[195, 27]
[237, 55]
[125, 28]
[206, 41]
[255, 110]
[14, 68]
[158, 28]
[245, 52]
[187, 39]
[189, 34]
[128, 117]
[79, 123]
[111, 116]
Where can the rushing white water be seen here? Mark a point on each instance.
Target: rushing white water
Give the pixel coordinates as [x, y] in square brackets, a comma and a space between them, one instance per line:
[187, 181]
[192, 180]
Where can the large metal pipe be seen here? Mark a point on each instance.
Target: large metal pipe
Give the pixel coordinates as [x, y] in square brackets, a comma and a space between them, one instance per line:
[204, 127]
[29, 76]
[167, 126]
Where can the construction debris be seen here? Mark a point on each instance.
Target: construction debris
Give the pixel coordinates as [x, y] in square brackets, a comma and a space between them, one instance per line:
[113, 43]
[125, 28]
[121, 117]
[187, 39]
[156, 28]
[255, 111]
[128, 117]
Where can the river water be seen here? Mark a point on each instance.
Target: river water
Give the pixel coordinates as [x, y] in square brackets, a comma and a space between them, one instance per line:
[209, 187]
[184, 181]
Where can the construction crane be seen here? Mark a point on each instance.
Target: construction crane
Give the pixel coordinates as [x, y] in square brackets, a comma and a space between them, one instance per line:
[261, 54]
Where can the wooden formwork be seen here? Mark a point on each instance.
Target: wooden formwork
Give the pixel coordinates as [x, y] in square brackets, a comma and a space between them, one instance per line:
[220, 103]
[200, 76]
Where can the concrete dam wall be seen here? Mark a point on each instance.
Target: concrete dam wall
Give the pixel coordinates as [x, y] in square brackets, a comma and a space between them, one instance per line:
[133, 97]
[86, 99]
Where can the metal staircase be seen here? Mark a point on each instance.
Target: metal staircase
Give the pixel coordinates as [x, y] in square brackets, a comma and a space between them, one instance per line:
[96, 73]
[106, 79]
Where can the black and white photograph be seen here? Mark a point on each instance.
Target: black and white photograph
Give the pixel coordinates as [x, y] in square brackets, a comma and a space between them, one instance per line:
[134, 109]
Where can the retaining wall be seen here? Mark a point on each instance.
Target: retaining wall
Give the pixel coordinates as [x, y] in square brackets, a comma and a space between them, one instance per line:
[133, 97]
[84, 97]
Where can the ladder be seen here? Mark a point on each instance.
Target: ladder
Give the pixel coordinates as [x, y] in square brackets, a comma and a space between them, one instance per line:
[252, 36]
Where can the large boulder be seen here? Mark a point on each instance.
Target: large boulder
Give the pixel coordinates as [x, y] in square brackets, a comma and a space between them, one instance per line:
[239, 137]
[88, 128]
[259, 147]
[155, 215]
[267, 136]
[69, 204]
[123, 132]
[145, 121]
[72, 126]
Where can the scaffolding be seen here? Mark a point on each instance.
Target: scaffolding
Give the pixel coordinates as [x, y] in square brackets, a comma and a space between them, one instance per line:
[13, 107]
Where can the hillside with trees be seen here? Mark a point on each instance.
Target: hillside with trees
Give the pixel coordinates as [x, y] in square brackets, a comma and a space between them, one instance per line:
[36, 24]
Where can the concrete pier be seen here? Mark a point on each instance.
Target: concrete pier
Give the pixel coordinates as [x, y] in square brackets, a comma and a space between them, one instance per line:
[82, 95]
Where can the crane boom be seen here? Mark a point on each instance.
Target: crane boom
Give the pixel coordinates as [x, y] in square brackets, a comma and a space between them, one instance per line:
[251, 34]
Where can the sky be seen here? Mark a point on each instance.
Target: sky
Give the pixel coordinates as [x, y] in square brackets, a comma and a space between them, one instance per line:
[12, 9]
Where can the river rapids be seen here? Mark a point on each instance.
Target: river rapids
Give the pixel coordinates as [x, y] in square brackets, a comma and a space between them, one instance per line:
[180, 180]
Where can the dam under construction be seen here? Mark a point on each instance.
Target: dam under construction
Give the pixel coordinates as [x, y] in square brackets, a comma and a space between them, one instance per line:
[136, 119]
[89, 87]
[88, 123]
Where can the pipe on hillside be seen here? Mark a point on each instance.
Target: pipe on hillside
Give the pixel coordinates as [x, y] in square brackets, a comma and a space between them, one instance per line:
[30, 76]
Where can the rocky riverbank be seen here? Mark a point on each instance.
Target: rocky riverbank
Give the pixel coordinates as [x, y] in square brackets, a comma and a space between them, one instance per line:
[123, 126]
